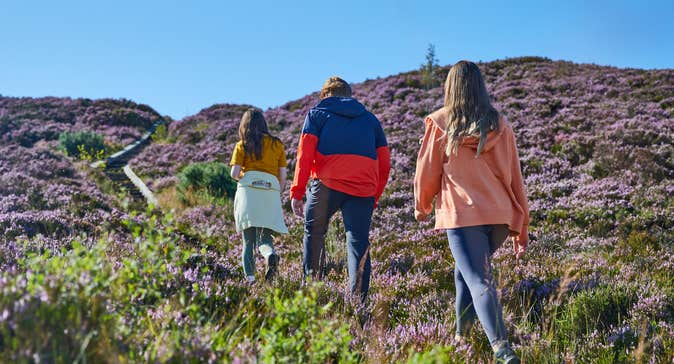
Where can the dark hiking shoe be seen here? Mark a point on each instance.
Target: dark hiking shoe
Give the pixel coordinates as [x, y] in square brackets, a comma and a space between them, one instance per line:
[506, 355]
[272, 267]
[364, 316]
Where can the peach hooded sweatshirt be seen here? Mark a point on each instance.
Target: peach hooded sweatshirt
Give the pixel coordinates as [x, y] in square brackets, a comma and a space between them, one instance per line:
[471, 191]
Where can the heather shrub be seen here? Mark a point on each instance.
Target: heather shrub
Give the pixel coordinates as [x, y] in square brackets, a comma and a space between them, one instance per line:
[82, 144]
[130, 117]
[211, 178]
[57, 311]
[598, 221]
[637, 244]
[47, 223]
[93, 303]
[598, 351]
[411, 82]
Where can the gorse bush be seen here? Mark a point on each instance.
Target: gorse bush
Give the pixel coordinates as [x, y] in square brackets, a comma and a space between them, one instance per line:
[210, 177]
[82, 144]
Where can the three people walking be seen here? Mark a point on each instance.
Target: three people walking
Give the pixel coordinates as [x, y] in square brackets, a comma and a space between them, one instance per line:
[467, 163]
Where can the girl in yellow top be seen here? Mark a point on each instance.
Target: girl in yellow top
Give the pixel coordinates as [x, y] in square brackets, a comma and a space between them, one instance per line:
[259, 164]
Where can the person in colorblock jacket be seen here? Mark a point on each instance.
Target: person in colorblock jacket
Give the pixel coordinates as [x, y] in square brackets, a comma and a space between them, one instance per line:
[344, 157]
[468, 163]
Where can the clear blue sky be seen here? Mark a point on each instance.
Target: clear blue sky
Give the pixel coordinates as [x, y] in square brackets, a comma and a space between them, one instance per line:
[182, 56]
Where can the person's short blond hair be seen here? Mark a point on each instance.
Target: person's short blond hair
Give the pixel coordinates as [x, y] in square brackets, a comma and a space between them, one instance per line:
[335, 86]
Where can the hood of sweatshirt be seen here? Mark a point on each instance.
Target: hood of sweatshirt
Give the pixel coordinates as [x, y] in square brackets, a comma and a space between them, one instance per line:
[343, 106]
[439, 117]
[493, 138]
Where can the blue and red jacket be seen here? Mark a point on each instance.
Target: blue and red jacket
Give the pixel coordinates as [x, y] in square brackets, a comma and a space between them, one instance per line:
[344, 146]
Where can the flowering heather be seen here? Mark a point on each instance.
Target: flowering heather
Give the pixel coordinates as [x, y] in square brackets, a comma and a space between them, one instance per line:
[596, 148]
[28, 120]
[46, 197]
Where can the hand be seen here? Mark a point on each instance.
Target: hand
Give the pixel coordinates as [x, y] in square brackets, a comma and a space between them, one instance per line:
[298, 207]
[519, 246]
[420, 216]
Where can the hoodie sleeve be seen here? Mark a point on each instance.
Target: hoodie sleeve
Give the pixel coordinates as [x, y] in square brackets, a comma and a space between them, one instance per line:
[383, 161]
[306, 154]
[428, 175]
[517, 186]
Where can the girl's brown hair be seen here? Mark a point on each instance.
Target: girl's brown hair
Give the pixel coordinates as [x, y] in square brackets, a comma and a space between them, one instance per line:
[470, 111]
[252, 130]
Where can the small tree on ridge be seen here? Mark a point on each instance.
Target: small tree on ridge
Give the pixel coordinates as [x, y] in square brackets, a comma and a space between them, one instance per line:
[428, 79]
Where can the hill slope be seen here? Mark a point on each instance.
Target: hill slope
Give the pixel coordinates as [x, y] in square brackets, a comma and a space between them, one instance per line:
[44, 196]
[597, 135]
[597, 150]
[596, 146]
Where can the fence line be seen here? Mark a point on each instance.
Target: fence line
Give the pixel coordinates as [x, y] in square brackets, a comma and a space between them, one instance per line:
[149, 196]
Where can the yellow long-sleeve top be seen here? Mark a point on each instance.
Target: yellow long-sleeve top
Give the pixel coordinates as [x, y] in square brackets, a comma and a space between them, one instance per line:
[273, 157]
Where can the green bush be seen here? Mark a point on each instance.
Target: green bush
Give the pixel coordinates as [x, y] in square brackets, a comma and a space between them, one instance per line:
[300, 331]
[436, 355]
[63, 316]
[600, 308]
[85, 304]
[210, 177]
[82, 144]
[160, 134]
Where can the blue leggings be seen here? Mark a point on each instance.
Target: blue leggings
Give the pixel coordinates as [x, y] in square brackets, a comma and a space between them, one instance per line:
[263, 238]
[472, 248]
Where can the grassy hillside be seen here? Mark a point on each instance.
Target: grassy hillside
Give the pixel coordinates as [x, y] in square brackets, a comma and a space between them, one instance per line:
[597, 151]
[46, 198]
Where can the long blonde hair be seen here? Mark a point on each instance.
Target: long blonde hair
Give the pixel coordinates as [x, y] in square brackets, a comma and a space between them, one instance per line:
[470, 111]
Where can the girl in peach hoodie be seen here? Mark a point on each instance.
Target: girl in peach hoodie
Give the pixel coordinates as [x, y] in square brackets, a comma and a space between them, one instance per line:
[468, 163]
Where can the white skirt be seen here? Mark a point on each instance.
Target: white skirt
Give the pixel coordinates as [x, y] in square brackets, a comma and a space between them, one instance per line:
[257, 202]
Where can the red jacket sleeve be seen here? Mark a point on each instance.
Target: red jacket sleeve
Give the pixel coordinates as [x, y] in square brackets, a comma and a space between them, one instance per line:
[384, 162]
[306, 154]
